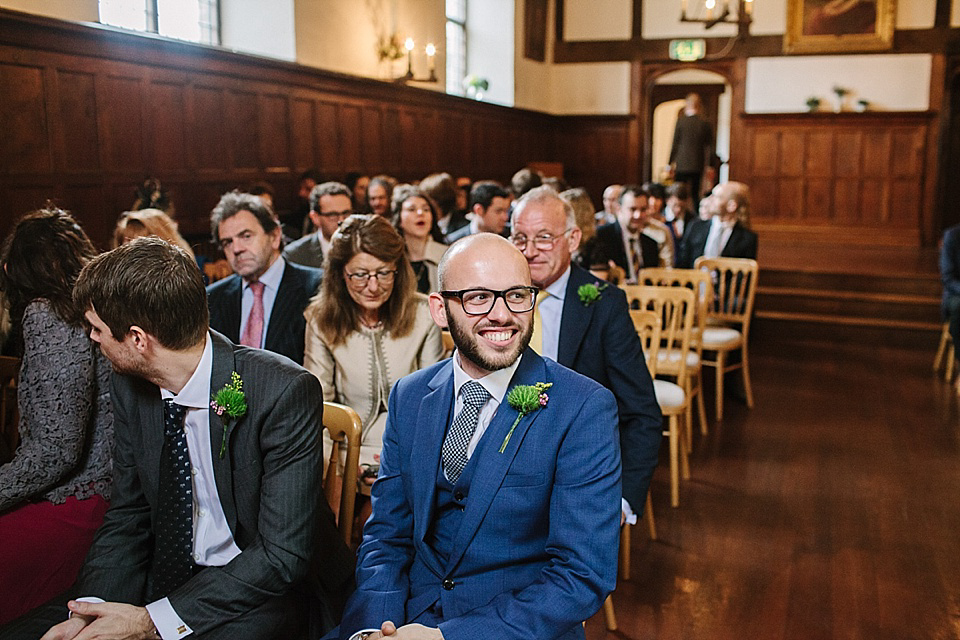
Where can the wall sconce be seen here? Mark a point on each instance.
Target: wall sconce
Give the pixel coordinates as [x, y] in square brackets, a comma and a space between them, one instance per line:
[713, 17]
[431, 51]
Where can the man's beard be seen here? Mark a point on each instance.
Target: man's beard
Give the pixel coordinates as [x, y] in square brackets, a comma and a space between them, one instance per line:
[469, 347]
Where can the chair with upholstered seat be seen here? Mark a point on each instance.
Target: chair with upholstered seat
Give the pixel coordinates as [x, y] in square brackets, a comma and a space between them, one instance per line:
[9, 415]
[675, 306]
[669, 359]
[728, 320]
[345, 427]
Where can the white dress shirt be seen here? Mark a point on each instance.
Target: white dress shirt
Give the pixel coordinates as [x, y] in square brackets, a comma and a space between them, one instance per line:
[551, 312]
[718, 237]
[213, 543]
[495, 383]
[271, 283]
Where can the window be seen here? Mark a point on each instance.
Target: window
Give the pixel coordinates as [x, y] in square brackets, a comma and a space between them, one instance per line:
[193, 20]
[456, 46]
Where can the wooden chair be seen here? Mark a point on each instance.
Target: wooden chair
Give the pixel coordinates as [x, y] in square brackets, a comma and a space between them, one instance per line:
[700, 283]
[217, 270]
[675, 306]
[9, 414]
[345, 427]
[647, 324]
[945, 352]
[735, 285]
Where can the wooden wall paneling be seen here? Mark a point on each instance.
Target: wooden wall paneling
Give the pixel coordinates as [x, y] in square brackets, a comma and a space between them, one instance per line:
[242, 117]
[846, 201]
[399, 143]
[906, 198]
[763, 199]
[166, 106]
[874, 196]
[79, 141]
[333, 150]
[351, 142]
[275, 133]
[23, 109]
[303, 124]
[86, 204]
[372, 139]
[207, 140]
[765, 152]
[121, 122]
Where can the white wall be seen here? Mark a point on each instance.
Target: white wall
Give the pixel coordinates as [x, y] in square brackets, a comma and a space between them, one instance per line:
[490, 47]
[597, 19]
[955, 14]
[889, 82]
[77, 10]
[661, 19]
[265, 29]
[595, 88]
[532, 80]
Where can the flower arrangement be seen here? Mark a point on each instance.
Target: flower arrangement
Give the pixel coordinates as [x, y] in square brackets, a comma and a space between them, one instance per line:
[526, 398]
[590, 292]
[230, 401]
[390, 48]
[813, 103]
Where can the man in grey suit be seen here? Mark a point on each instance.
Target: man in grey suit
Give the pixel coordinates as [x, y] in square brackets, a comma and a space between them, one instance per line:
[217, 508]
[330, 204]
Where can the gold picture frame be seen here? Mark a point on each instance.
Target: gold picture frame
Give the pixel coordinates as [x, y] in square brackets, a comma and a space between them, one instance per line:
[839, 26]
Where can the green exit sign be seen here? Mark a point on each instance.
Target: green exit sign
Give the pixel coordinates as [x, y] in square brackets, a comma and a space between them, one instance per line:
[688, 50]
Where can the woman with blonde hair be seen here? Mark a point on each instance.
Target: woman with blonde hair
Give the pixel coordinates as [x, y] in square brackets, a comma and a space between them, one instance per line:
[148, 222]
[368, 327]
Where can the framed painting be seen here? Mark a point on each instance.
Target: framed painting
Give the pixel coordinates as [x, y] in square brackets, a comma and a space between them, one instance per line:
[835, 26]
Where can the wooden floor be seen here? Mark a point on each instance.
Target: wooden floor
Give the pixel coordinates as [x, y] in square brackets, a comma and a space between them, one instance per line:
[829, 511]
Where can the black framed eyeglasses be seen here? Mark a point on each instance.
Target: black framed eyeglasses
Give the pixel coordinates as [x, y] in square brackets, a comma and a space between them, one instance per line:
[542, 241]
[479, 302]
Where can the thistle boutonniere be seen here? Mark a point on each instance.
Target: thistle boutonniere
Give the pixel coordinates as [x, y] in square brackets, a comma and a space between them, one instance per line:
[590, 293]
[231, 401]
[526, 398]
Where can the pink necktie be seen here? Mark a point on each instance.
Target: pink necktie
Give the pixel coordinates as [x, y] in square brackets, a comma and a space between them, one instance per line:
[253, 332]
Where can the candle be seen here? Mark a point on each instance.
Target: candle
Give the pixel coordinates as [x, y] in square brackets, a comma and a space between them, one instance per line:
[710, 4]
[683, 8]
[748, 7]
[431, 52]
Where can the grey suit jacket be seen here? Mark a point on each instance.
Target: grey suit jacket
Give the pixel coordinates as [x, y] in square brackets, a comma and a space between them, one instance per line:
[306, 251]
[272, 460]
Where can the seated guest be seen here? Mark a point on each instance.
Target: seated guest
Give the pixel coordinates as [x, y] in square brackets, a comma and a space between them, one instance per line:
[54, 492]
[611, 204]
[379, 194]
[261, 305]
[296, 222]
[489, 211]
[368, 327]
[216, 514]
[443, 190]
[330, 204]
[655, 227]
[679, 212]
[583, 212]
[464, 185]
[524, 180]
[724, 234]
[415, 218]
[148, 222]
[494, 517]
[264, 191]
[358, 183]
[623, 241]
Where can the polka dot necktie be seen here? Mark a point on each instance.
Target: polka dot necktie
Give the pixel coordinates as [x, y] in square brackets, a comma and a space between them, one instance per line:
[461, 431]
[173, 542]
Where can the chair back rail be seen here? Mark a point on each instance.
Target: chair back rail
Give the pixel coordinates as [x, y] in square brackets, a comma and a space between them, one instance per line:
[675, 308]
[647, 324]
[345, 428]
[734, 287]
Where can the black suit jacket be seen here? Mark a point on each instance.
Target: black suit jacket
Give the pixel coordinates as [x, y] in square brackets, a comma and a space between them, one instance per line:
[598, 340]
[742, 243]
[609, 246]
[272, 461]
[285, 333]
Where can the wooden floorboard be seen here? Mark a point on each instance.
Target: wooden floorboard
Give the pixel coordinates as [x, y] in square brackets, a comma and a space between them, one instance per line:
[829, 511]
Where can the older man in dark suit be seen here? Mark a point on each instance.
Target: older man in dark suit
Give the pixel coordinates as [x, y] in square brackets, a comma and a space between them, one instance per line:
[217, 508]
[261, 305]
[584, 324]
[724, 234]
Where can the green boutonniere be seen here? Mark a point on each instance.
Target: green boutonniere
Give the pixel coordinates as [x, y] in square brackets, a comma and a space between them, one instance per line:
[230, 401]
[526, 398]
[590, 293]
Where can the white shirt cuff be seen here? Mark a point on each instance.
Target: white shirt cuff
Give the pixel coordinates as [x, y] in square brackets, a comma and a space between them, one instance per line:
[165, 619]
[629, 515]
[360, 633]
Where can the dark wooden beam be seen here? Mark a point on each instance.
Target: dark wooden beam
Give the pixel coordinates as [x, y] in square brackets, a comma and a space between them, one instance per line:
[942, 15]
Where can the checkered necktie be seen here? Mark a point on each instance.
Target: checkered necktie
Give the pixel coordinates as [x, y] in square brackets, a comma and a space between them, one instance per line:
[173, 542]
[461, 432]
